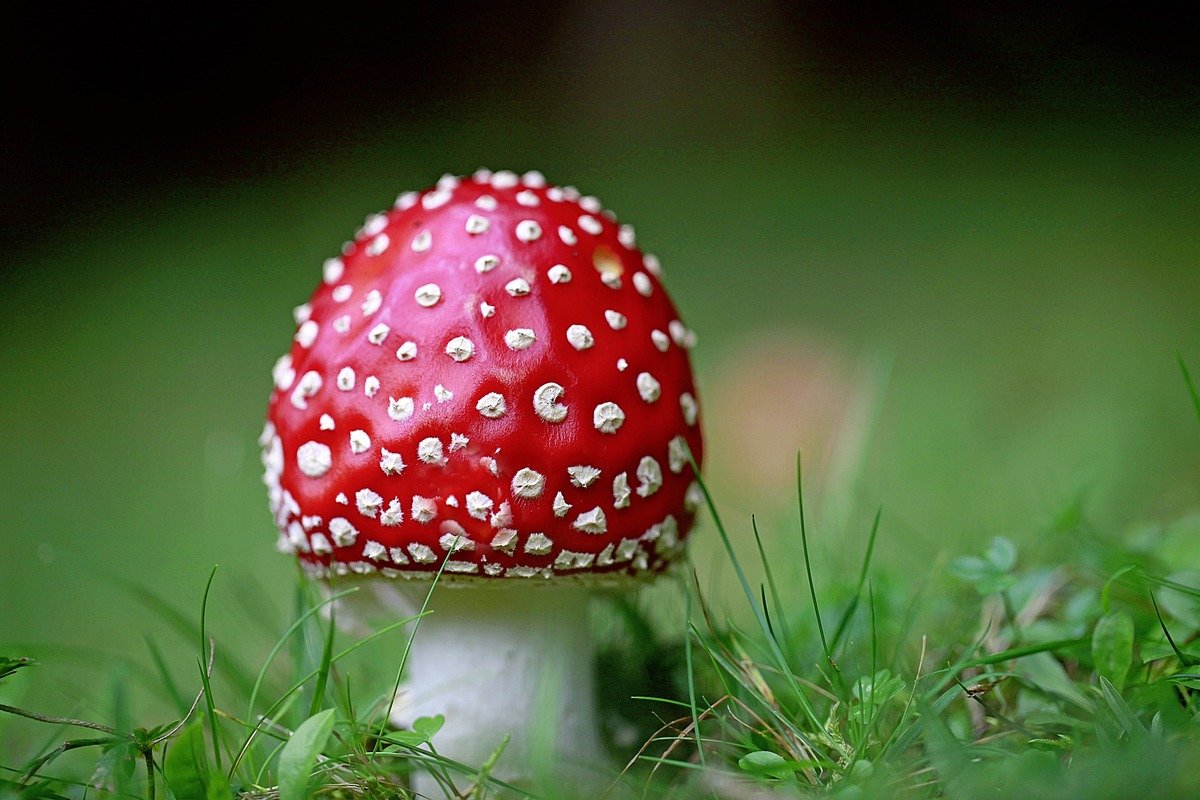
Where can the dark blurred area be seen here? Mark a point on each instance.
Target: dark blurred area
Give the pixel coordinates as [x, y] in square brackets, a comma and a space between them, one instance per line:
[104, 101]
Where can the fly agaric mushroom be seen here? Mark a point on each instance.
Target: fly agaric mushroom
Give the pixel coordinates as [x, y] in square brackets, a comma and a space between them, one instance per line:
[489, 382]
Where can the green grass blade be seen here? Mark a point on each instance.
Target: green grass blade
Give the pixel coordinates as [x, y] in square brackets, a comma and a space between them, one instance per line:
[848, 614]
[282, 641]
[812, 588]
[1191, 385]
[164, 674]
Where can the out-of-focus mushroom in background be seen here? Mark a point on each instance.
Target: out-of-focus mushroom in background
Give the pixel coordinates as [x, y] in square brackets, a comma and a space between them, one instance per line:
[777, 392]
[490, 387]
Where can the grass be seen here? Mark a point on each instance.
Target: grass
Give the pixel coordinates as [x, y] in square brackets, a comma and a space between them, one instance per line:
[994, 674]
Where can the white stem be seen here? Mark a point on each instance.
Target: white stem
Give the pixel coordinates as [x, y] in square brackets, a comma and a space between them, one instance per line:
[510, 661]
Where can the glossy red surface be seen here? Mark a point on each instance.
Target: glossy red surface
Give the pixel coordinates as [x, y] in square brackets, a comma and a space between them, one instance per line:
[652, 526]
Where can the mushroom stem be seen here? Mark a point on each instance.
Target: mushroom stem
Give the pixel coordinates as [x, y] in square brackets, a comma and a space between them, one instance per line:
[512, 661]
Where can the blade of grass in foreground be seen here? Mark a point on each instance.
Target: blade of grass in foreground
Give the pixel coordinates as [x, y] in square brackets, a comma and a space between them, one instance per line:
[781, 661]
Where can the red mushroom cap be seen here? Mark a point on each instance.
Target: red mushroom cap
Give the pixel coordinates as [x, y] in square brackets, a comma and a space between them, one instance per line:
[490, 376]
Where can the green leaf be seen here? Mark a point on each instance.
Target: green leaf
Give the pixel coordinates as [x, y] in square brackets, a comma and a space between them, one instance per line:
[1002, 553]
[764, 762]
[1112, 647]
[187, 769]
[428, 726]
[300, 754]
[115, 768]
[10, 665]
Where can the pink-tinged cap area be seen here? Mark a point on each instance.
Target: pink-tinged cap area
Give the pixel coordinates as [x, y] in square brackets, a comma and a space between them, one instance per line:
[490, 377]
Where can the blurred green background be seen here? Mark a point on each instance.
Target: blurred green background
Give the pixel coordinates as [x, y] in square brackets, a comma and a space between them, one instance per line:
[951, 256]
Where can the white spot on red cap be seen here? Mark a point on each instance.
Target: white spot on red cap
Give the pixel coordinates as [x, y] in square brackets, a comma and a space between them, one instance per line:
[567, 236]
[320, 544]
[652, 264]
[649, 475]
[314, 459]
[660, 339]
[626, 237]
[370, 386]
[538, 544]
[342, 324]
[422, 554]
[590, 224]
[569, 559]
[486, 202]
[345, 379]
[528, 199]
[374, 550]
[424, 509]
[282, 373]
[622, 365]
[505, 540]
[528, 230]
[430, 451]
[546, 405]
[677, 454]
[372, 302]
[455, 539]
[641, 282]
[344, 534]
[561, 506]
[528, 483]
[407, 200]
[693, 498]
[616, 320]
[393, 515]
[377, 334]
[442, 393]
[368, 502]
[491, 405]
[460, 348]
[360, 442]
[479, 505]
[486, 263]
[582, 475]
[505, 179]
[407, 351]
[391, 463]
[378, 245]
[326, 423]
[608, 417]
[486, 310]
[301, 313]
[306, 334]
[649, 389]
[435, 199]
[400, 408]
[502, 518]
[580, 337]
[687, 404]
[428, 295]
[611, 279]
[458, 441]
[342, 293]
[621, 491]
[477, 224]
[308, 385]
[559, 274]
[681, 335]
[592, 522]
[520, 338]
[517, 287]
[332, 270]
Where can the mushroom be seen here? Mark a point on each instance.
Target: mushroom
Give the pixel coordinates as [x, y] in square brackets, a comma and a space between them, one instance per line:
[490, 384]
